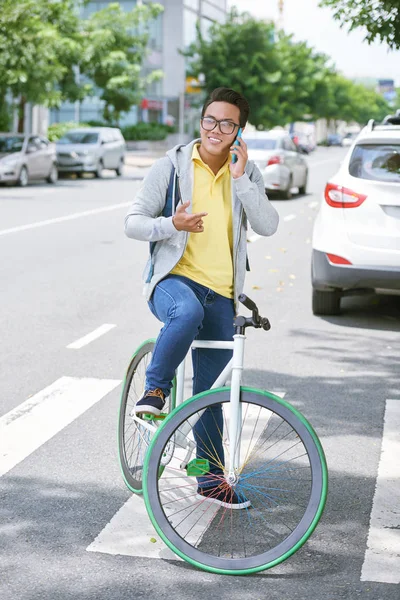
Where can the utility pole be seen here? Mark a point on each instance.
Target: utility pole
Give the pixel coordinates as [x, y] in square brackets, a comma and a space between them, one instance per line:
[280, 17]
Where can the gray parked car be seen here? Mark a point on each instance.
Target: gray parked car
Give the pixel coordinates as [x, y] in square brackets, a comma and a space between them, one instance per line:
[26, 157]
[282, 165]
[90, 150]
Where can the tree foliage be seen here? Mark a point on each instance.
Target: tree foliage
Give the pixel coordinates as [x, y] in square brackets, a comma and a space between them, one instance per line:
[241, 54]
[381, 18]
[44, 42]
[39, 41]
[114, 49]
[283, 80]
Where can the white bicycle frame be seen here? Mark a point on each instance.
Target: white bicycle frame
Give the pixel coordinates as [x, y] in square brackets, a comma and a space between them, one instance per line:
[234, 367]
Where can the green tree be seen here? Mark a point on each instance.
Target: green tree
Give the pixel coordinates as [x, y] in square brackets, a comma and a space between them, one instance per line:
[342, 99]
[283, 80]
[304, 75]
[39, 42]
[368, 104]
[115, 45]
[241, 54]
[44, 42]
[381, 18]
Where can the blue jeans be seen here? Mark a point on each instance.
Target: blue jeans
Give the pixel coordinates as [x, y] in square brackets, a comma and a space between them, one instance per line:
[191, 311]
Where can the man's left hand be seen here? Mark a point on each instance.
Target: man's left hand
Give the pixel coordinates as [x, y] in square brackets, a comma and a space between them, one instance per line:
[237, 168]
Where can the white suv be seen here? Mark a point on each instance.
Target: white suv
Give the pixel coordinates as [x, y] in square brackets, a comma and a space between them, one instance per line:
[356, 237]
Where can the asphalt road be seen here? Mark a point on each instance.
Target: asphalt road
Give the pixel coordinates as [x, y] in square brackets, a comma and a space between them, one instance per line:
[66, 269]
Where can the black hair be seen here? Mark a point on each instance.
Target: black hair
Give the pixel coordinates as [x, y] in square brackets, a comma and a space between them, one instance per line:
[223, 94]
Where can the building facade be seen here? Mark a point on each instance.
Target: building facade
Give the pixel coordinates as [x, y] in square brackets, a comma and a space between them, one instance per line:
[172, 31]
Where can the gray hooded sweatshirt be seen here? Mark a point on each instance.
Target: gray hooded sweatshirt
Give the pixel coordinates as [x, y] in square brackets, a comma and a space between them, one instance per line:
[143, 221]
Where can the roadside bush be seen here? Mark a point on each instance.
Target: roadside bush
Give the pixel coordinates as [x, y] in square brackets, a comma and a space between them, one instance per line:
[99, 124]
[139, 132]
[57, 130]
[146, 131]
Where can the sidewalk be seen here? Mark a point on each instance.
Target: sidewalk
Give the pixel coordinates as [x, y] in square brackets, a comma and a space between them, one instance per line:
[143, 154]
[142, 159]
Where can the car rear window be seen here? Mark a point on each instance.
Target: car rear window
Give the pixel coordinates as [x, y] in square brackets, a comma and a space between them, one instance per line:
[260, 143]
[81, 137]
[379, 162]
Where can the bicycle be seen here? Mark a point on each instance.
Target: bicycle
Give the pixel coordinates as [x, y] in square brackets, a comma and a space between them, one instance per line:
[273, 458]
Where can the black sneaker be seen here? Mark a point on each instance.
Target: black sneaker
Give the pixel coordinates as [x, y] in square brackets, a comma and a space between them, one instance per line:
[224, 495]
[152, 403]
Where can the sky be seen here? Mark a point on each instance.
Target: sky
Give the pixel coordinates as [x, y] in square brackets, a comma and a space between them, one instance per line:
[352, 56]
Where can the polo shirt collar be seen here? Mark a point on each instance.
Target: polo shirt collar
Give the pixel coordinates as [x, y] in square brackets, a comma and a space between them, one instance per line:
[197, 158]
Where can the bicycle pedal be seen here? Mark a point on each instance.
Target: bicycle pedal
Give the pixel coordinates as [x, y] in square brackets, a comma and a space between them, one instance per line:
[197, 467]
[149, 417]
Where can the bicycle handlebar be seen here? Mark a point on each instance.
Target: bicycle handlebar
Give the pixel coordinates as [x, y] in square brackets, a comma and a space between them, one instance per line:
[255, 320]
[247, 302]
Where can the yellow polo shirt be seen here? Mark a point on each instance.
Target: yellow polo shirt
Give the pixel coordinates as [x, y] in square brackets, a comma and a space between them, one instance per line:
[207, 259]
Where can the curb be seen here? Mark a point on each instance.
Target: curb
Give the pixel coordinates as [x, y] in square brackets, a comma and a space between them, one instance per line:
[140, 161]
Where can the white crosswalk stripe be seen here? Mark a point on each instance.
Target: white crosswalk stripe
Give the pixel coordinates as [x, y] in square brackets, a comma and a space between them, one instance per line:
[382, 558]
[130, 531]
[24, 429]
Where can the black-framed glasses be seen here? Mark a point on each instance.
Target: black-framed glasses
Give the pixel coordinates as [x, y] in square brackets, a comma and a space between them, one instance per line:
[226, 127]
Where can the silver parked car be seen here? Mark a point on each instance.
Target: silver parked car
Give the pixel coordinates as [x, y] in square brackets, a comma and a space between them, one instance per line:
[281, 163]
[26, 157]
[90, 150]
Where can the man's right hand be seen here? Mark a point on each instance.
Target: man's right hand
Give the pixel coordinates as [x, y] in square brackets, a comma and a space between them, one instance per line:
[184, 221]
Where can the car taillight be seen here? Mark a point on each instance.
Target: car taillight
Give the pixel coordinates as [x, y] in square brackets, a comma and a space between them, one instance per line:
[275, 160]
[337, 260]
[341, 197]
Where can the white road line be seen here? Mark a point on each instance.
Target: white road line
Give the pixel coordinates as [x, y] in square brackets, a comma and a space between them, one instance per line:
[382, 557]
[313, 204]
[71, 217]
[290, 217]
[131, 533]
[84, 341]
[35, 421]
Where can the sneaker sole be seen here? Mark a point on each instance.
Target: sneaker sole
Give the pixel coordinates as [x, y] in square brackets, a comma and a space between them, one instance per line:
[225, 504]
[144, 409]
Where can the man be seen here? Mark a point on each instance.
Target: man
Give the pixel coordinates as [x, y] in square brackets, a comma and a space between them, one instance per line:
[197, 270]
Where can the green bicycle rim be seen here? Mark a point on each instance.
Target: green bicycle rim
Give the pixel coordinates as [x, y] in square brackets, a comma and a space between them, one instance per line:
[171, 408]
[149, 341]
[311, 527]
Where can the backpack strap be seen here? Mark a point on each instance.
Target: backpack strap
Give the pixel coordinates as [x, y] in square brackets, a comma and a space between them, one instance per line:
[171, 194]
[171, 200]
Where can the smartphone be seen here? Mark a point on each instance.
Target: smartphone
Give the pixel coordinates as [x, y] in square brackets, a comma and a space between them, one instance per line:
[234, 157]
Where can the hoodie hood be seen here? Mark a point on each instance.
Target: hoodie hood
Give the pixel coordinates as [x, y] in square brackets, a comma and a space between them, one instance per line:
[181, 156]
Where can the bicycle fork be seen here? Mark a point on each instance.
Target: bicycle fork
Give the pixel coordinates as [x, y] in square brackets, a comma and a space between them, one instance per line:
[235, 366]
[235, 424]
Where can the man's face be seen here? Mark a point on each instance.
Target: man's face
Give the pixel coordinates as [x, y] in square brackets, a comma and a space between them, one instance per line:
[216, 142]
